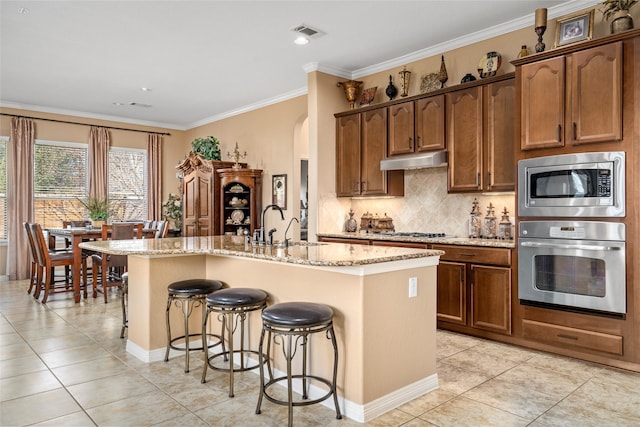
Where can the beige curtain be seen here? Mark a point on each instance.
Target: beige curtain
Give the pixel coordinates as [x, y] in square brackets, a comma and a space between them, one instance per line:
[154, 177]
[98, 162]
[19, 195]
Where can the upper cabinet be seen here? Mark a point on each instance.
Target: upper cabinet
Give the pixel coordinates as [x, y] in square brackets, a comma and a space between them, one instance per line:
[572, 99]
[480, 137]
[417, 126]
[361, 143]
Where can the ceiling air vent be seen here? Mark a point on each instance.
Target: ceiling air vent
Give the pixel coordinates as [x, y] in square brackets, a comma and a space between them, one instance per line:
[307, 31]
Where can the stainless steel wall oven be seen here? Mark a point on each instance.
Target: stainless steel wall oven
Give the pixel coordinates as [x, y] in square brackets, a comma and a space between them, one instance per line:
[579, 264]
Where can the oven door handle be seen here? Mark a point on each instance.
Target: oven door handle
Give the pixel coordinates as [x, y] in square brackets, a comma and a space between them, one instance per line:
[558, 246]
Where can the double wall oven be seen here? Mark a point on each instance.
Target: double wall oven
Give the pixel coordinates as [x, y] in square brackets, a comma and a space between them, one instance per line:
[568, 254]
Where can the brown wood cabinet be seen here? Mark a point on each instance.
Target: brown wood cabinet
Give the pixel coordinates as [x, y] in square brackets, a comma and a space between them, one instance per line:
[343, 240]
[361, 143]
[240, 200]
[572, 99]
[474, 288]
[417, 126]
[480, 137]
[200, 195]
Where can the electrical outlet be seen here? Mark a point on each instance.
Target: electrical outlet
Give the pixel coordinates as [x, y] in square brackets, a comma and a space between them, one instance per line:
[413, 287]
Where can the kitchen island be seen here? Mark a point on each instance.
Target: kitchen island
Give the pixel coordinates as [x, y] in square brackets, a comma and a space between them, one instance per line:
[386, 339]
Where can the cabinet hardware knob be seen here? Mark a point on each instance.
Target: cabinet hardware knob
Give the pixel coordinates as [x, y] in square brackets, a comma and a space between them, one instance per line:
[559, 132]
[569, 337]
[575, 131]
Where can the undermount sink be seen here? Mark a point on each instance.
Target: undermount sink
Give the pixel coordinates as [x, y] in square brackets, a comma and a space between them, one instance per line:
[297, 243]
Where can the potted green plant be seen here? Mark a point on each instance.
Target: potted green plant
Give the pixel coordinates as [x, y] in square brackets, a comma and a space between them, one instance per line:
[98, 209]
[173, 210]
[617, 11]
[208, 147]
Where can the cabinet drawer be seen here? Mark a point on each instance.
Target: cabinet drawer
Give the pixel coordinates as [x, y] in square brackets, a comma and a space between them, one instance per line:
[572, 337]
[475, 255]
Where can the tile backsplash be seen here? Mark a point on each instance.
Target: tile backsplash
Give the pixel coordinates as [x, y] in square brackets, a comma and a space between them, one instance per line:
[425, 207]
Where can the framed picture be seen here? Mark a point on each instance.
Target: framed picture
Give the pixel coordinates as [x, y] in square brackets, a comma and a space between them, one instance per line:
[574, 28]
[279, 191]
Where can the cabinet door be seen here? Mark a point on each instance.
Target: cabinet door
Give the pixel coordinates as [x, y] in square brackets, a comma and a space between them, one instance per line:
[429, 129]
[452, 293]
[348, 155]
[491, 298]
[190, 205]
[464, 139]
[374, 149]
[596, 89]
[499, 161]
[401, 126]
[205, 206]
[542, 93]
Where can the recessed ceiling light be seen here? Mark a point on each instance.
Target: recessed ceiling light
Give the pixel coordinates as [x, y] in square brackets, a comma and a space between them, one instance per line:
[23, 11]
[118, 104]
[301, 41]
[145, 89]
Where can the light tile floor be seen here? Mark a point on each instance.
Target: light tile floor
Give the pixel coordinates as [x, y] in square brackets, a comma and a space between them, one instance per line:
[63, 364]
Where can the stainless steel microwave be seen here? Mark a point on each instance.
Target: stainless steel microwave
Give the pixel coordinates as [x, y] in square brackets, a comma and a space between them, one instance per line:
[570, 185]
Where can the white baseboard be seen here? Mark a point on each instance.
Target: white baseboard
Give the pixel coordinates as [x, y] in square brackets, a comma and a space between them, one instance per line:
[354, 411]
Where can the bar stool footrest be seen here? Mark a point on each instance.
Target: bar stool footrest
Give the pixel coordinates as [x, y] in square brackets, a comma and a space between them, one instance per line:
[227, 357]
[198, 346]
[306, 400]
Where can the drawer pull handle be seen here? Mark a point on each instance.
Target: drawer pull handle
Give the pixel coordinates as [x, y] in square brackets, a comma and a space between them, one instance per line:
[569, 337]
[466, 254]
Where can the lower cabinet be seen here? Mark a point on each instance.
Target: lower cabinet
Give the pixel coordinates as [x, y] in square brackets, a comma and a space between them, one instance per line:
[474, 288]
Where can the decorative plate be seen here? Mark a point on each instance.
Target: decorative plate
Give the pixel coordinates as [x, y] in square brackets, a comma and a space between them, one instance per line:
[430, 83]
[367, 96]
[236, 189]
[489, 64]
[237, 216]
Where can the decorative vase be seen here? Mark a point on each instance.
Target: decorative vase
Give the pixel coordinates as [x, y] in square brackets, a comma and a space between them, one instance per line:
[391, 90]
[351, 91]
[352, 225]
[98, 223]
[468, 78]
[443, 76]
[405, 77]
[622, 21]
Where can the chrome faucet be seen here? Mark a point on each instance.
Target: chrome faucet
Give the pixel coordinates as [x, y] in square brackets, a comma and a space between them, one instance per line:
[263, 239]
[286, 241]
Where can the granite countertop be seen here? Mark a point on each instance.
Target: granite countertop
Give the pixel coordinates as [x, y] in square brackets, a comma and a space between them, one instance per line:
[315, 254]
[463, 241]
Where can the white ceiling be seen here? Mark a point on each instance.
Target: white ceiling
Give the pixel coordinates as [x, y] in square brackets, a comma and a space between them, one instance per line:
[205, 60]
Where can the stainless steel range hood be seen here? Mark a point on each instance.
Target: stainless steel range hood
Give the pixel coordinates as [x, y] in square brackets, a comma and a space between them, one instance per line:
[432, 159]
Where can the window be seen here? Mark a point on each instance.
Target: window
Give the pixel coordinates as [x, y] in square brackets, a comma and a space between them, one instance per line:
[60, 180]
[127, 183]
[3, 187]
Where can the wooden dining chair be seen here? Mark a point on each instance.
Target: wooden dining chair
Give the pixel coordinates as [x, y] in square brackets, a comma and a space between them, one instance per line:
[35, 266]
[47, 262]
[82, 223]
[108, 269]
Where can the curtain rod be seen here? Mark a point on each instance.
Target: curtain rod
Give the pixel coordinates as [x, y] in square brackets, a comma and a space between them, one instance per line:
[84, 124]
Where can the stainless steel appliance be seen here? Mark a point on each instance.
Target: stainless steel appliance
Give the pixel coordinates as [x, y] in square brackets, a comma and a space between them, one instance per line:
[579, 264]
[570, 185]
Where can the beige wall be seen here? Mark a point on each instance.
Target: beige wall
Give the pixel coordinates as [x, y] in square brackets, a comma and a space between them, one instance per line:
[172, 146]
[269, 136]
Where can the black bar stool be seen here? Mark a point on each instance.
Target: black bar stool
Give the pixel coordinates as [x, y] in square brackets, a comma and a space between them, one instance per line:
[188, 294]
[232, 306]
[291, 323]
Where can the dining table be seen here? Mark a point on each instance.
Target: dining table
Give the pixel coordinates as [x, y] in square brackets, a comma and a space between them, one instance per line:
[77, 235]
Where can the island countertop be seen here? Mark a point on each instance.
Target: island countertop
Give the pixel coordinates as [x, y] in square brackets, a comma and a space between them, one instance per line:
[313, 254]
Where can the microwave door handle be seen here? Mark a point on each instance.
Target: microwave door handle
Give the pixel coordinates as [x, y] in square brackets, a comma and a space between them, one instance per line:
[559, 246]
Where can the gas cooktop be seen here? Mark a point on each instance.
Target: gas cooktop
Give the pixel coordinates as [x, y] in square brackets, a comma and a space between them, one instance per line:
[411, 234]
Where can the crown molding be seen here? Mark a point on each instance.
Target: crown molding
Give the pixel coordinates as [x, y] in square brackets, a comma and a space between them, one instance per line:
[92, 116]
[269, 101]
[327, 69]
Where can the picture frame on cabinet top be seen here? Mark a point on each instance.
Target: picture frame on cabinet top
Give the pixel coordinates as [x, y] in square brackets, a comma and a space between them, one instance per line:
[574, 28]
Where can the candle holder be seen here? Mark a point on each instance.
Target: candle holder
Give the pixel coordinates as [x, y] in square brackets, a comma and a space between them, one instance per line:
[540, 45]
[236, 156]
